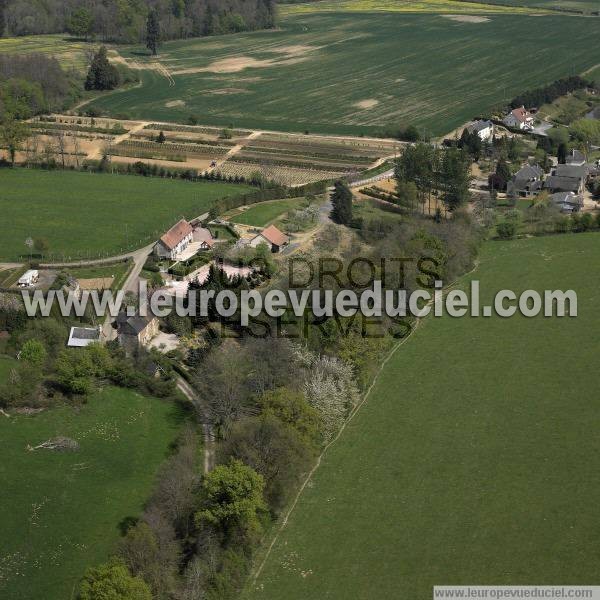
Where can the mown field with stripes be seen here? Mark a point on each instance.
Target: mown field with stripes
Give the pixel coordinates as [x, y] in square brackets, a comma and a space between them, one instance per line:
[357, 73]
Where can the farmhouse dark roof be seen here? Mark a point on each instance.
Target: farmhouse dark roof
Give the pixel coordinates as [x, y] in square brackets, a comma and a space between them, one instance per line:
[529, 172]
[573, 171]
[132, 325]
[566, 198]
[564, 184]
[178, 232]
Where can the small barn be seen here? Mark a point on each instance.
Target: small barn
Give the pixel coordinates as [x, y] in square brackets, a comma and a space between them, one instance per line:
[80, 337]
[273, 237]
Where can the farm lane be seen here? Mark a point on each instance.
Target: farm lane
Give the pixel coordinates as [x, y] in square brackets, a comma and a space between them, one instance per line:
[207, 431]
[96, 152]
[237, 148]
[98, 261]
[130, 285]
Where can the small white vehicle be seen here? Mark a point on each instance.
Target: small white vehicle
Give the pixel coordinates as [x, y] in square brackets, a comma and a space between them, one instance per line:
[30, 278]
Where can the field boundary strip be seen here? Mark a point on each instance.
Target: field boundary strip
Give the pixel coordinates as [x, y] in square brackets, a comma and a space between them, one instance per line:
[351, 416]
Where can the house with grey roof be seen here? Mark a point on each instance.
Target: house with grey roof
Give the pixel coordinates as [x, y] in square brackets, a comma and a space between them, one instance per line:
[567, 178]
[135, 331]
[575, 157]
[484, 129]
[567, 202]
[526, 182]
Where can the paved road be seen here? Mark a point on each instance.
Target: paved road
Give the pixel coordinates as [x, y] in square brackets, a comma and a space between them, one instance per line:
[130, 285]
[100, 261]
[375, 178]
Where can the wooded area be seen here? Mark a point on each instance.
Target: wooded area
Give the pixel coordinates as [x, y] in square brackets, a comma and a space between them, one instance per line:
[125, 21]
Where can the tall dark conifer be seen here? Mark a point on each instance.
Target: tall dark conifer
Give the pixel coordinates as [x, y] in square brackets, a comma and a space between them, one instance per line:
[152, 32]
[341, 200]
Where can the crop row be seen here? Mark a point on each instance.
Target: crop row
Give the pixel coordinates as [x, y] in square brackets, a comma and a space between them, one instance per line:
[151, 135]
[345, 144]
[194, 129]
[278, 174]
[310, 154]
[45, 125]
[282, 162]
[166, 148]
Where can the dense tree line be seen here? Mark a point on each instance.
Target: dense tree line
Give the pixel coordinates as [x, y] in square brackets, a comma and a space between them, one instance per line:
[32, 83]
[424, 170]
[125, 20]
[549, 93]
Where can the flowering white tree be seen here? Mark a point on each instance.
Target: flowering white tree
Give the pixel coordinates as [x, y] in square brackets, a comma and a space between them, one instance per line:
[329, 387]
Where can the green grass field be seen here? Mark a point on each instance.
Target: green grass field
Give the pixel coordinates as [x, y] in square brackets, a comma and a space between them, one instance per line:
[69, 53]
[84, 214]
[359, 72]
[6, 364]
[262, 214]
[475, 459]
[427, 6]
[576, 6]
[60, 511]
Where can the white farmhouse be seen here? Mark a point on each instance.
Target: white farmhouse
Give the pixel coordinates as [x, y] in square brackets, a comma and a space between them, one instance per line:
[484, 129]
[175, 241]
[519, 118]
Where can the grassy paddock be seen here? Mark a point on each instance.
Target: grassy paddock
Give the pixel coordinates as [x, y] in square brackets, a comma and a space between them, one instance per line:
[69, 53]
[60, 511]
[89, 215]
[475, 458]
[406, 6]
[262, 214]
[359, 72]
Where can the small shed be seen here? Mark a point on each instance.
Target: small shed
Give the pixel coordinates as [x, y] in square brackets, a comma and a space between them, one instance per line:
[80, 337]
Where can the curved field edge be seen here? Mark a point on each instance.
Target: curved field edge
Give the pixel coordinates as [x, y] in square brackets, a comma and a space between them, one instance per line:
[88, 215]
[473, 460]
[422, 69]
[62, 511]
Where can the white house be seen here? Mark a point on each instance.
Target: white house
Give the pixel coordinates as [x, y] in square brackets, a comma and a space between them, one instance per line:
[519, 118]
[175, 241]
[271, 236]
[30, 278]
[484, 129]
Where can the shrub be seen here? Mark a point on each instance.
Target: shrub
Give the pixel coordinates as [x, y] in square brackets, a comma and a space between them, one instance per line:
[506, 230]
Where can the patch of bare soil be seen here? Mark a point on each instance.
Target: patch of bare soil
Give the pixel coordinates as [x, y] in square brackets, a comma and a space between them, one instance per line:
[227, 91]
[98, 283]
[174, 103]
[365, 104]
[291, 55]
[228, 65]
[467, 18]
